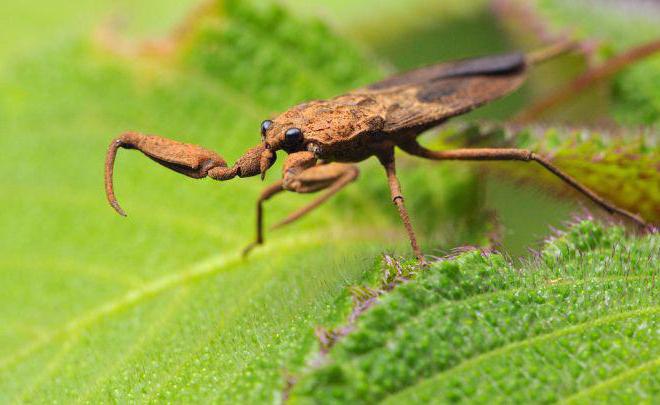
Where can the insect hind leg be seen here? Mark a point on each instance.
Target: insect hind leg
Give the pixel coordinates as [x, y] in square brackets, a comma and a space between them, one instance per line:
[523, 155]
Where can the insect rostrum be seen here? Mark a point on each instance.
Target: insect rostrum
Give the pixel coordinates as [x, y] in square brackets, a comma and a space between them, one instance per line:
[325, 138]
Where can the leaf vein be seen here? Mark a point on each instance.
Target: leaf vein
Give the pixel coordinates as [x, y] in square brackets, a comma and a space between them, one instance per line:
[529, 342]
[582, 395]
[202, 269]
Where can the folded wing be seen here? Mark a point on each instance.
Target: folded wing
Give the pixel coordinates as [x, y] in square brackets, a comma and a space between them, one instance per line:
[427, 96]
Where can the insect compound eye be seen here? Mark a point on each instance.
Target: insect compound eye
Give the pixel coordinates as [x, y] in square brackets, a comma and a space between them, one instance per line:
[293, 135]
[265, 126]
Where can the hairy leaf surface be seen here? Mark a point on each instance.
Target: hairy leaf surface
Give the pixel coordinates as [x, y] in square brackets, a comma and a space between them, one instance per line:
[578, 323]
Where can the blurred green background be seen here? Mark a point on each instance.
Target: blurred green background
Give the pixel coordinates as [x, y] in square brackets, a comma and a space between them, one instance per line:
[159, 305]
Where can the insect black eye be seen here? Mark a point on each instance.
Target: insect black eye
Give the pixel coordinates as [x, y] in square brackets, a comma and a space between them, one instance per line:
[293, 135]
[265, 126]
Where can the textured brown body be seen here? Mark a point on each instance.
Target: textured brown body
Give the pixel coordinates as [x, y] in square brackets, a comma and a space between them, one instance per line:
[323, 137]
[354, 126]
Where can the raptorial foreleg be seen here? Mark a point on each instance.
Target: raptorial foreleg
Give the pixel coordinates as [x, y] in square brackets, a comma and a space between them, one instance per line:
[190, 160]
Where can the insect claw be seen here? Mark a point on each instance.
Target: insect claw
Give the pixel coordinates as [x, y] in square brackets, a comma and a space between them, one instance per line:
[109, 169]
[118, 208]
[246, 251]
[189, 160]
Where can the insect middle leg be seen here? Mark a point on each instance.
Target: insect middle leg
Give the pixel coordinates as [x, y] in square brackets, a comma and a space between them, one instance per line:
[387, 160]
[523, 155]
[330, 177]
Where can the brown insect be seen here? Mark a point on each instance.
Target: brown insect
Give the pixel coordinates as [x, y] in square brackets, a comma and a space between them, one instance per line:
[323, 138]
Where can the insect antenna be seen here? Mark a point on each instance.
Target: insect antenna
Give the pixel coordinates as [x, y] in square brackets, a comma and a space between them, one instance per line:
[551, 51]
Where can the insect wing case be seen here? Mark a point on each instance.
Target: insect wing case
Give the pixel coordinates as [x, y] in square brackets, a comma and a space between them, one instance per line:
[429, 95]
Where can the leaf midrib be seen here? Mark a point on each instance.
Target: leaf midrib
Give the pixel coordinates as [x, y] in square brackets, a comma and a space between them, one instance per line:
[135, 348]
[204, 268]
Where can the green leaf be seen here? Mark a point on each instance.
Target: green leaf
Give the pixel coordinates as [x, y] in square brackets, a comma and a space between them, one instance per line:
[577, 323]
[159, 306]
